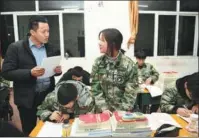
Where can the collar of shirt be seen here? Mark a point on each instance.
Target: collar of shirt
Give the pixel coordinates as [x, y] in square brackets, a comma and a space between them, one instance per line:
[115, 61]
[140, 67]
[31, 44]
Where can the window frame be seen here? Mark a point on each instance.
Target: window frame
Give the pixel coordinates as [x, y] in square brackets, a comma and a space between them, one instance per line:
[177, 13]
[59, 13]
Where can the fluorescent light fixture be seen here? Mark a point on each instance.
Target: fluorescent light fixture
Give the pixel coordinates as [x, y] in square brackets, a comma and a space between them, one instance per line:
[143, 6]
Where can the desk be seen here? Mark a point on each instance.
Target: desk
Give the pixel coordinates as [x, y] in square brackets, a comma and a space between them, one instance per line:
[144, 99]
[183, 132]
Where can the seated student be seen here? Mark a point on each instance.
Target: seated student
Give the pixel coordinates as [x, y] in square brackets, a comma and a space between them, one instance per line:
[114, 77]
[9, 130]
[147, 74]
[70, 98]
[77, 73]
[182, 97]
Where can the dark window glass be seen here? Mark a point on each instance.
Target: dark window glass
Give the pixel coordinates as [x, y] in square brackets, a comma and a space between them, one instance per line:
[186, 35]
[17, 5]
[189, 5]
[54, 29]
[157, 5]
[166, 35]
[74, 41]
[145, 36]
[7, 32]
[60, 5]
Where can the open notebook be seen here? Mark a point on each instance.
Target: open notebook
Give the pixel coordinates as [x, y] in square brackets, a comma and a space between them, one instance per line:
[158, 119]
[50, 130]
[153, 90]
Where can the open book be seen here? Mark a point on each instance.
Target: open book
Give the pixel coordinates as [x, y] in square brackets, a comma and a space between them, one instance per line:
[158, 119]
[153, 90]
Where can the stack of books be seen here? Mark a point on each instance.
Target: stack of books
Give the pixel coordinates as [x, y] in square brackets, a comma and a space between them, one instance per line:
[93, 125]
[126, 124]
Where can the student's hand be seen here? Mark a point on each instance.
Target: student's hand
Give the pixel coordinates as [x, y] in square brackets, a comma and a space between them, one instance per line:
[37, 71]
[195, 109]
[56, 115]
[64, 117]
[148, 81]
[58, 70]
[184, 112]
[107, 112]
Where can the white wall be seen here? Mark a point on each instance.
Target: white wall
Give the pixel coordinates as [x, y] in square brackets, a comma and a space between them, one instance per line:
[114, 14]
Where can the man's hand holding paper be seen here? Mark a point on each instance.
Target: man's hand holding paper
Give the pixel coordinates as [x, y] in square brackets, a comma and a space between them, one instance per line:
[51, 66]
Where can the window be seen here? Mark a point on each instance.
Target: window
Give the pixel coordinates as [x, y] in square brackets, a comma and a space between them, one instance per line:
[54, 29]
[166, 35]
[189, 5]
[157, 5]
[186, 35]
[7, 32]
[60, 5]
[145, 36]
[74, 43]
[17, 5]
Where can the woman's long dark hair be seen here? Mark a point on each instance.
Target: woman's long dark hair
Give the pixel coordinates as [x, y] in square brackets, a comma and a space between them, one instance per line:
[114, 39]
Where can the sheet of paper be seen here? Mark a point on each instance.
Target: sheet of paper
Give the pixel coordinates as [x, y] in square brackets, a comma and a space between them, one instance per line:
[187, 119]
[158, 119]
[154, 90]
[51, 130]
[49, 65]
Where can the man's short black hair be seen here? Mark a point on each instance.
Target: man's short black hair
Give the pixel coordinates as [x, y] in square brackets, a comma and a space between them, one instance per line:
[193, 86]
[67, 92]
[140, 54]
[35, 20]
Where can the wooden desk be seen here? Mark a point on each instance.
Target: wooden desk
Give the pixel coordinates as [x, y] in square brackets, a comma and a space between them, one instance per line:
[144, 100]
[183, 132]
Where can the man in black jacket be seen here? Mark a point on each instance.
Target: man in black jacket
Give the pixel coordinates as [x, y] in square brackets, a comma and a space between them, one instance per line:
[22, 66]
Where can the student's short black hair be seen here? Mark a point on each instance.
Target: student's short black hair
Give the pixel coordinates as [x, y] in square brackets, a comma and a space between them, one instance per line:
[193, 86]
[35, 20]
[140, 54]
[113, 37]
[67, 92]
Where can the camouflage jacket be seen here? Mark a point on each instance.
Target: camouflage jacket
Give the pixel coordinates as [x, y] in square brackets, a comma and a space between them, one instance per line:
[147, 71]
[84, 104]
[114, 83]
[171, 100]
[4, 82]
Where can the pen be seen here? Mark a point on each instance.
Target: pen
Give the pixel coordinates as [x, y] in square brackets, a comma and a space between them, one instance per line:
[185, 107]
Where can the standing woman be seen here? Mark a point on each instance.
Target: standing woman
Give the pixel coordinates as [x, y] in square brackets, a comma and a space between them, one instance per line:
[114, 77]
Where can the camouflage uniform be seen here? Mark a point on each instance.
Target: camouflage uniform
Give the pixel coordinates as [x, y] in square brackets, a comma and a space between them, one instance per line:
[171, 100]
[147, 71]
[84, 104]
[4, 82]
[114, 83]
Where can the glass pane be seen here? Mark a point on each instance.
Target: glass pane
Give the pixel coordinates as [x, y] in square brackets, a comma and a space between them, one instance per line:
[198, 47]
[17, 5]
[186, 35]
[145, 36]
[74, 41]
[60, 5]
[189, 5]
[166, 35]
[7, 32]
[54, 29]
[157, 5]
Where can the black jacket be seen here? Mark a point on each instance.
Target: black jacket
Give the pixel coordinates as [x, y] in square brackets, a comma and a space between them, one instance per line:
[17, 65]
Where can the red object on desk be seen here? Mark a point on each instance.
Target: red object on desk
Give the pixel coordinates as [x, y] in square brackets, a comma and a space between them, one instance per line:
[94, 118]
